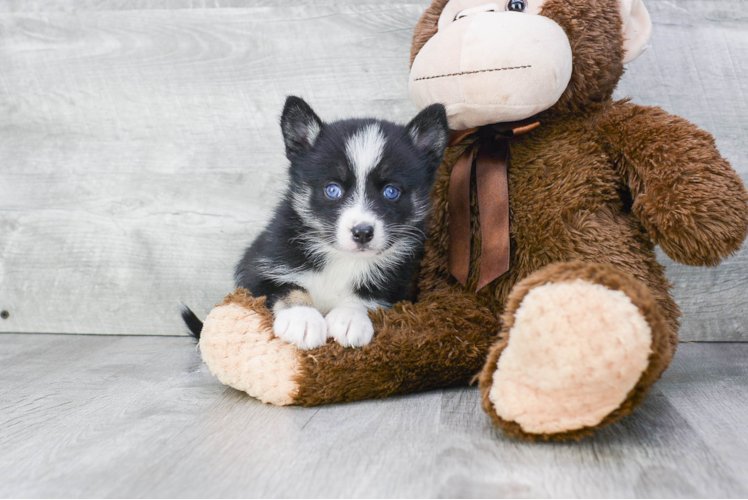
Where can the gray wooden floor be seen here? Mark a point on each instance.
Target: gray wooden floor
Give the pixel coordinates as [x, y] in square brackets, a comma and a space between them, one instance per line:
[113, 416]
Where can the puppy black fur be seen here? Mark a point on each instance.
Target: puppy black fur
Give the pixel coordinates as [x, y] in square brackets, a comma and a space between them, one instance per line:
[338, 234]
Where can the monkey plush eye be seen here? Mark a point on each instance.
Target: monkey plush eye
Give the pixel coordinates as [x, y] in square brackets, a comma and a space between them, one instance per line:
[333, 191]
[391, 192]
[516, 6]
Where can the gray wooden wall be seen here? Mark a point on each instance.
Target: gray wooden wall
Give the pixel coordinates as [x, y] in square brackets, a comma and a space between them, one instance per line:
[140, 151]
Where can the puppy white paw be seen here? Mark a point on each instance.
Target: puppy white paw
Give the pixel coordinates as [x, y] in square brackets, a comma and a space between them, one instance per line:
[350, 326]
[302, 326]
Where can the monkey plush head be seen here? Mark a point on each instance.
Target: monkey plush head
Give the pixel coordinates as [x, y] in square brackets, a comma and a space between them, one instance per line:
[493, 62]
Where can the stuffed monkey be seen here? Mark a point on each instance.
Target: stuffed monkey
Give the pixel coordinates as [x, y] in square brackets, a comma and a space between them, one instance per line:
[539, 274]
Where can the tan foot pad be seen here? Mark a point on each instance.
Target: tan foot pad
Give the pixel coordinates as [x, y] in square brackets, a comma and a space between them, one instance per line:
[238, 345]
[575, 352]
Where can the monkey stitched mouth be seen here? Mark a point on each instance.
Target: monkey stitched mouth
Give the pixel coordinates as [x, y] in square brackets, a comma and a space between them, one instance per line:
[472, 72]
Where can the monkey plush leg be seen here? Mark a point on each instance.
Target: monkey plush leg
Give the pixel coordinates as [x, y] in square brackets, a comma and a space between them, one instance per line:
[441, 341]
[581, 345]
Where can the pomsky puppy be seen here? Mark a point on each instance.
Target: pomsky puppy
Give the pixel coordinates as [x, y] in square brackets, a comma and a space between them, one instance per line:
[348, 234]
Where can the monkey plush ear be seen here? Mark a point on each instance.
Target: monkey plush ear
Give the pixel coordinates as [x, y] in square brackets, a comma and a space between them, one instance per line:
[300, 126]
[637, 28]
[429, 131]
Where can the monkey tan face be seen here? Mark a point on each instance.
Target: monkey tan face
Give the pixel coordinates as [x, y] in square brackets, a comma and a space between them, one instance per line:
[493, 62]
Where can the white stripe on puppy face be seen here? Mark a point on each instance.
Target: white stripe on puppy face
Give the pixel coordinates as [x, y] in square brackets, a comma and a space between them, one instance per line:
[300, 203]
[364, 151]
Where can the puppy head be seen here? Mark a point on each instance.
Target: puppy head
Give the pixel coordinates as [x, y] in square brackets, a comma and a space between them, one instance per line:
[362, 186]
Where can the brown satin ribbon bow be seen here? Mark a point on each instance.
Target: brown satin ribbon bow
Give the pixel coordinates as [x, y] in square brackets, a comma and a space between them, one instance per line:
[489, 151]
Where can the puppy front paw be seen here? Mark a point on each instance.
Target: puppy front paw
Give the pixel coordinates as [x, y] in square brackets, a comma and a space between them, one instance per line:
[350, 326]
[302, 326]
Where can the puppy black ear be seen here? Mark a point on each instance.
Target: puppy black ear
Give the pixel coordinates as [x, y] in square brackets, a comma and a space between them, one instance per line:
[300, 126]
[429, 131]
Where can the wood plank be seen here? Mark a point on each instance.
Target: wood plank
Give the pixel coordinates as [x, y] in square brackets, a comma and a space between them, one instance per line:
[16, 6]
[141, 417]
[140, 151]
[708, 384]
[142, 177]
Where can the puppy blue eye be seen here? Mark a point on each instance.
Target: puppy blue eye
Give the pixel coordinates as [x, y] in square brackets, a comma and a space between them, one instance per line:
[516, 6]
[333, 191]
[391, 192]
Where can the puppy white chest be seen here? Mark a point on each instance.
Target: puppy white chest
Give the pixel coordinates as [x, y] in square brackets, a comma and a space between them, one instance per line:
[335, 284]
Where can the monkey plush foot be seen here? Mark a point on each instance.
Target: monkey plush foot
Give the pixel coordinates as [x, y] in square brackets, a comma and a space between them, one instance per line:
[581, 345]
[238, 345]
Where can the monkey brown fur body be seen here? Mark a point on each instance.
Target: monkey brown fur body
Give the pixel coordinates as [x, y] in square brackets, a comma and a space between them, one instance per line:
[592, 190]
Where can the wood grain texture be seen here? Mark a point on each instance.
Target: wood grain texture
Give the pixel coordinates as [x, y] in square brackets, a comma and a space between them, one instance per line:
[102, 5]
[140, 150]
[113, 416]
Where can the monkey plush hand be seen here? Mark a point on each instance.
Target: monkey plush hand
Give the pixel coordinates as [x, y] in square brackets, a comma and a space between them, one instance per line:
[539, 272]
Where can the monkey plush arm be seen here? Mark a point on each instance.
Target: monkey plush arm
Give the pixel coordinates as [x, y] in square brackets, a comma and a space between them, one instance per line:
[684, 193]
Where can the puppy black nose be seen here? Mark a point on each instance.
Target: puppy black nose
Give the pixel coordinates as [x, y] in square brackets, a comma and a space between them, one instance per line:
[362, 233]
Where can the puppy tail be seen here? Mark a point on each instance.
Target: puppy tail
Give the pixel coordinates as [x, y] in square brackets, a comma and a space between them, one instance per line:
[194, 325]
